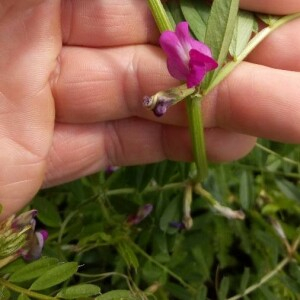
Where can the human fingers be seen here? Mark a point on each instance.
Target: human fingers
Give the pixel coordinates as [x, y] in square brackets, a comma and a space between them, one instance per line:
[280, 49]
[83, 95]
[85, 149]
[29, 45]
[96, 23]
[259, 101]
[95, 85]
[113, 22]
[109, 23]
[272, 6]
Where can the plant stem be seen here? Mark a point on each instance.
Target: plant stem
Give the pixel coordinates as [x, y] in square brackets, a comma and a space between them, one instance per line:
[197, 134]
[229, 67]
[159, 14]
[21, 290]
[270, 275]
[192, 103]
[263, 280]
[166, 269]
[269, 151]
[150, 189]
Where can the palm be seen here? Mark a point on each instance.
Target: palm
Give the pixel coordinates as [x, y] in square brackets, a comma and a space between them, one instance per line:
[67, 111]
[32, 44]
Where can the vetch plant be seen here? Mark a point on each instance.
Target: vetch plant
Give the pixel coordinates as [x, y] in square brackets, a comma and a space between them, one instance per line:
[167, 230]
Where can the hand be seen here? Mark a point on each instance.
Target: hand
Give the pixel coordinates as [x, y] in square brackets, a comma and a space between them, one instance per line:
[73, 75]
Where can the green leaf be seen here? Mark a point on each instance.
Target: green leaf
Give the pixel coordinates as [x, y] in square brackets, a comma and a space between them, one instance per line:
[219, 32]
[244, 280]
[173, 8]
[55, 276]
[127, 253]
[47, 212]
[13, 266]
[246, 190]
[170, 214]
[4, 293]
[268, 19]
[33, 270]
[78, 291]
[23, 297]
[117, 295]
[224, 288]
[152, 273]
[196, 13]
[242, 33]
[289, 189]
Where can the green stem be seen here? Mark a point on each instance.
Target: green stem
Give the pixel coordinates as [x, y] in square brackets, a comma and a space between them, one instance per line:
[264, 279]
[271, 274]
[196, 127]
[193, 107]
[269, 151]
[21, 290]
[228, 68]
[159, 14]
[164, 268]
[150, 189]
[262, 171]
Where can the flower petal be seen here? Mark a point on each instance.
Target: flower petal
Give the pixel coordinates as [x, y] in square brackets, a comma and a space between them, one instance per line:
[197, 58]
[177, 57]
[188, 42]
[197, 73]
[35, 245]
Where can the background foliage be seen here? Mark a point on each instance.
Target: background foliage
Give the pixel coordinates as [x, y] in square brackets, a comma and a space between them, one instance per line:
[94, 252]
[216, 259]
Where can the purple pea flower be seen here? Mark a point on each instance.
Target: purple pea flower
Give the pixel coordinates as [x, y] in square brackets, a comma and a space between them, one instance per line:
[143, 212]
[187, 59]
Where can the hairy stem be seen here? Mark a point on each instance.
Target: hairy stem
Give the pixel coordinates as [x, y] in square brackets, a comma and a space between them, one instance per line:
[21, 290]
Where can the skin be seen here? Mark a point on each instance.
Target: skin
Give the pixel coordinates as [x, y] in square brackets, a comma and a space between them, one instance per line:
[73, 75]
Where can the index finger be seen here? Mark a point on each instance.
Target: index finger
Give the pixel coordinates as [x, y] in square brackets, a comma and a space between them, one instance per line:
[272, 6]
[96, 23]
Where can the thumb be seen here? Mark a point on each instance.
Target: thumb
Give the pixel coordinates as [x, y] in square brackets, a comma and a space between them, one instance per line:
[30, 43]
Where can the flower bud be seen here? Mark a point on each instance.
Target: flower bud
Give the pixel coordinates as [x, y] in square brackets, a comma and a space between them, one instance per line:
[161, 101]
[19, 238]
[141, 214]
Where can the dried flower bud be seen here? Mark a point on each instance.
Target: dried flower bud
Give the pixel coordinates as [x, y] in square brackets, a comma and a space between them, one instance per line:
[141, 214]
[161, 101]
[18, 238]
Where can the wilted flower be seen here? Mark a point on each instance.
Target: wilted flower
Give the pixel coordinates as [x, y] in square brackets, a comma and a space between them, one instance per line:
[19, 238]
[161, 101]
[187, 59]
[141, 214]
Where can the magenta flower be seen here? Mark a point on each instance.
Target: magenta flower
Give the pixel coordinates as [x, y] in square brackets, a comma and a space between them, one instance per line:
[188, 59]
